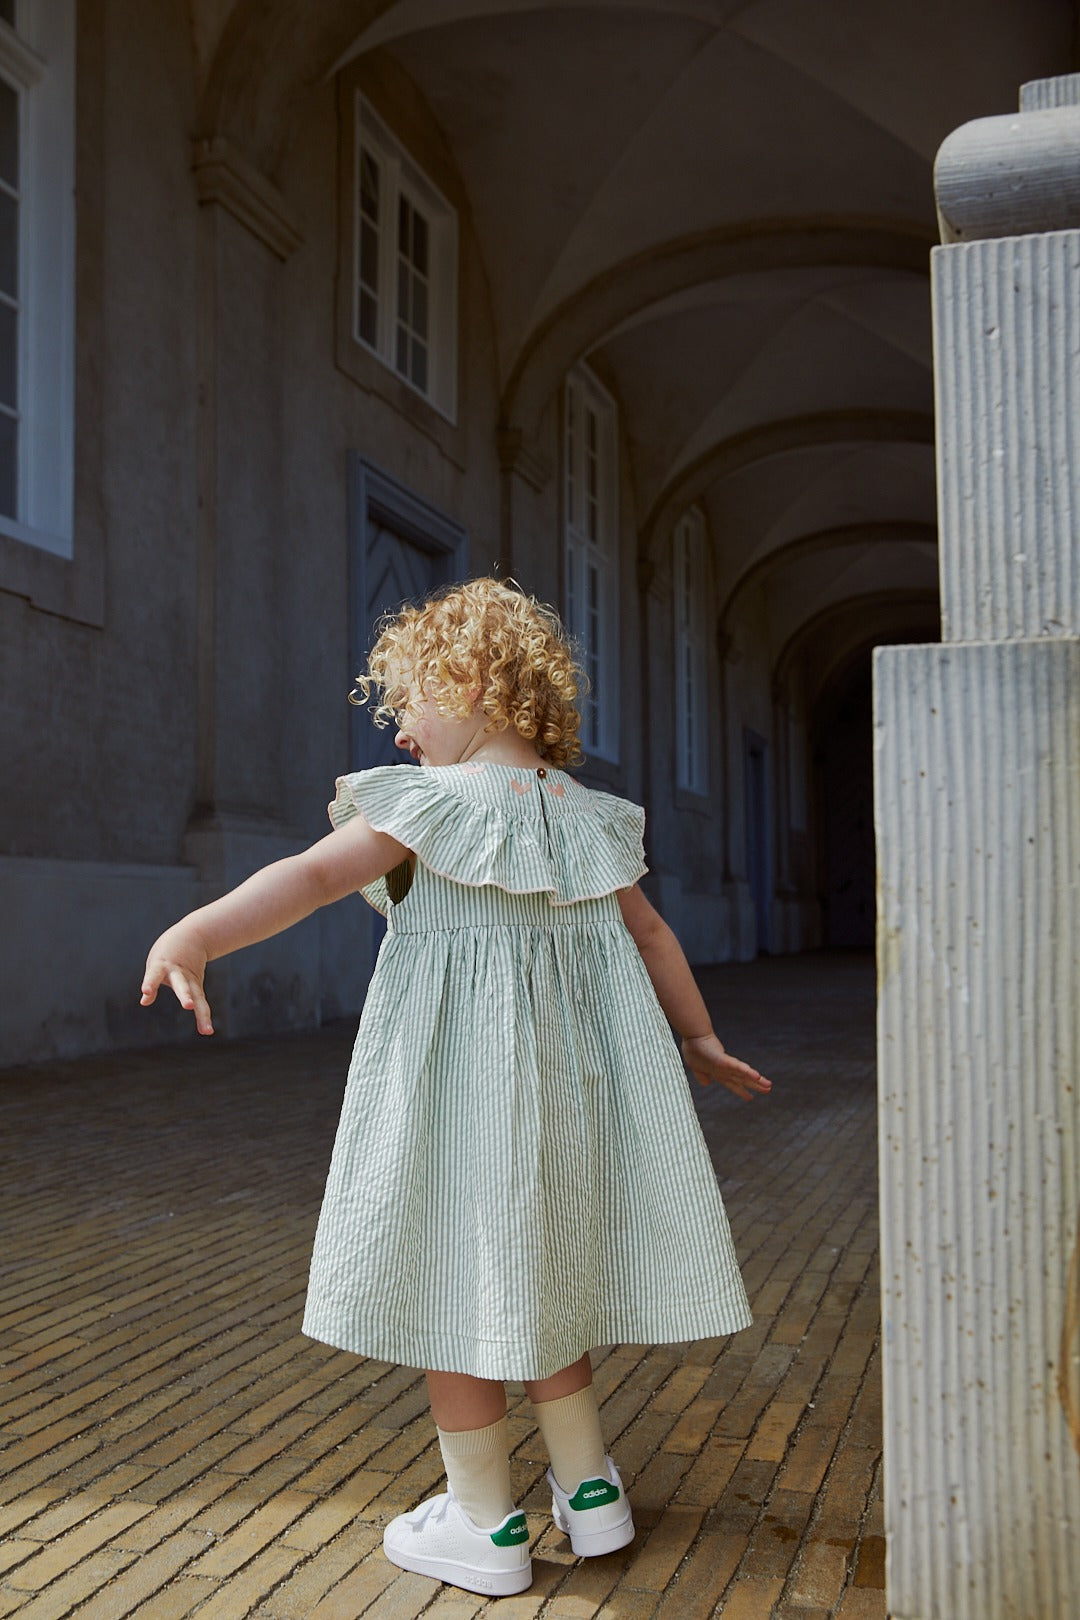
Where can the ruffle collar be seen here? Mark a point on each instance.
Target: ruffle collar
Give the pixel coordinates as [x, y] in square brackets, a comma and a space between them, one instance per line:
[525, 831]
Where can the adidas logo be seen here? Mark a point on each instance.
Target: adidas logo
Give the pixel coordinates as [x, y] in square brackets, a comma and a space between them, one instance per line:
[594, 1493]
[510, 1534]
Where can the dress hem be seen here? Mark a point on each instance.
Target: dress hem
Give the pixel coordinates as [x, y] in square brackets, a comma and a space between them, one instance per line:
[487, 1358]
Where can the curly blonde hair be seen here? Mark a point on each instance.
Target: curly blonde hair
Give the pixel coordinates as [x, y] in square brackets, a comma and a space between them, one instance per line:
[488, 634]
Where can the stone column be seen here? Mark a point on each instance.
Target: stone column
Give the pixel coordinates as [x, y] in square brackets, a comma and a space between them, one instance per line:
[977, 745]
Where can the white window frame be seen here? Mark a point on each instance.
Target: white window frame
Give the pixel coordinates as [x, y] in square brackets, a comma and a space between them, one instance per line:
[591, 556]
[689, 575]
[401, 178]
[37, 58]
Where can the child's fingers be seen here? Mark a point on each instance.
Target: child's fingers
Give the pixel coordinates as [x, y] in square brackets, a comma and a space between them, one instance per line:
[739, 1078]
[754, 1083]
[744, 1081]
[155, 972]
[187, 990]
[189, 993]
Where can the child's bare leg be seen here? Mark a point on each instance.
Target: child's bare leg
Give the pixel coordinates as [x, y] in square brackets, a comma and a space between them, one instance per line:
[470, 1415]
[460, 1401]
[567, 1382]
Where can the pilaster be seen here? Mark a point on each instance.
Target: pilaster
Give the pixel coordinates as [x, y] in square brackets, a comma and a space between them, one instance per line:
[977, 809]
[237, 824]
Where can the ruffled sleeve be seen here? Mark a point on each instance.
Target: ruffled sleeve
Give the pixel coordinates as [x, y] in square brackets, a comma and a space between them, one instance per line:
[576, 844]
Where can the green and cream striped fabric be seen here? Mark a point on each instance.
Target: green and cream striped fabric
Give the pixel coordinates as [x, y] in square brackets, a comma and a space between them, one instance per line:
[519, 1174]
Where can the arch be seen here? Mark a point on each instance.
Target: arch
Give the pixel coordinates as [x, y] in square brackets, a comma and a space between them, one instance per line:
[896, 612]
[852, 534]
[417, 15]
[823, 428]
[582, 322]
[269, 53]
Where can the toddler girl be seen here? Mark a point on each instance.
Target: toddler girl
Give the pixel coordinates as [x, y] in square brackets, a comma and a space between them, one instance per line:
[518, 1173]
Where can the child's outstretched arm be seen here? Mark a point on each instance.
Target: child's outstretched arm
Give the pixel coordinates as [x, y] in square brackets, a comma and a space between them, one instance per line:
[682, 1001]
[267, 903]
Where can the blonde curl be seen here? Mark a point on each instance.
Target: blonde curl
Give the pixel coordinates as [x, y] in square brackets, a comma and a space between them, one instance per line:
[483, 635]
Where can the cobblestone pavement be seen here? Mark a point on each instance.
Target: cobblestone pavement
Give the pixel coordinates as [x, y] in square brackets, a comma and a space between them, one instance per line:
[172, 1446]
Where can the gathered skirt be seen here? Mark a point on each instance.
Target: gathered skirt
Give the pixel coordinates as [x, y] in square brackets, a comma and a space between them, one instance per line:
[518, 1175]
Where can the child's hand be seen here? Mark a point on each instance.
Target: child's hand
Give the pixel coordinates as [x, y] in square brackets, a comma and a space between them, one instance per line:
[707, 1061]
[177, 959]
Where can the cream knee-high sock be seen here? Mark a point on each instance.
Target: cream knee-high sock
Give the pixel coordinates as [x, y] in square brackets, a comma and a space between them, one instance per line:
[477, 1463]
[570, 1428]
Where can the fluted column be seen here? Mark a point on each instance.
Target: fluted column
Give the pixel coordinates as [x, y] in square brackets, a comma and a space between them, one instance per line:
[977, 744]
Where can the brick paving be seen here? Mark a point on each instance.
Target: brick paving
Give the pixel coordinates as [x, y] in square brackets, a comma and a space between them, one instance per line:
[170, 1445]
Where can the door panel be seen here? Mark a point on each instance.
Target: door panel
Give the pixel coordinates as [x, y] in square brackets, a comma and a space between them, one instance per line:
[400, 549]
[398, 570]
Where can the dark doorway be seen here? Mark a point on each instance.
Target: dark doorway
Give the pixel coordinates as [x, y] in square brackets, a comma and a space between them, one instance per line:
[844, 756]
[758, 864]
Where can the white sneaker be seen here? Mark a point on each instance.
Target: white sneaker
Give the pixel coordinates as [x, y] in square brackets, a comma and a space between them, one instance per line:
[597, 1517]
[439, 1539]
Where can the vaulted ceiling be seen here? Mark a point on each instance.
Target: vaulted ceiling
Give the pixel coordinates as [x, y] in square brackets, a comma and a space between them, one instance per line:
[727, 206]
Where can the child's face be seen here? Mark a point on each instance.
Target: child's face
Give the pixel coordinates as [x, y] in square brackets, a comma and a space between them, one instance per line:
[429, 737]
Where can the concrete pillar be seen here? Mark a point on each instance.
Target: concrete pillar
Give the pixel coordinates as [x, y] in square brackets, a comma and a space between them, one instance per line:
[977, 797]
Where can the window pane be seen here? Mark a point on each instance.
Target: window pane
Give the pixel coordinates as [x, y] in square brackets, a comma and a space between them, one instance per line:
[369, 257]
[403, 227]
[9, 337]
[9, 439]
[403, 310]
[367, 324]
[419, 307]
[420, 243]
[369, 187]
[9, 245]
[419, 365]
[9, 135]
[401, 357]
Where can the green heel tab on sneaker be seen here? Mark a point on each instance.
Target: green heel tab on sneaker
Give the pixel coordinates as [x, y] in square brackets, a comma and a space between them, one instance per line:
[594, 1493]
[512, 1533]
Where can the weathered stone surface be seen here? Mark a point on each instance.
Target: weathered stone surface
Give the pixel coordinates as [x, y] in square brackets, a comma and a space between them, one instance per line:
[978, 816]
[1007, 355]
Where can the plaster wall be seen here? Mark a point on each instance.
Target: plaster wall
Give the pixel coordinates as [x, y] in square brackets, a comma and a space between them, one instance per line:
[97, 720]
[686, 840]
[196, 732]
[220, 674]
[96, 726]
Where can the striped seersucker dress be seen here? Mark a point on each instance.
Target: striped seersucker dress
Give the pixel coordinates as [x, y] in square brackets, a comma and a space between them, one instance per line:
[519, 1174]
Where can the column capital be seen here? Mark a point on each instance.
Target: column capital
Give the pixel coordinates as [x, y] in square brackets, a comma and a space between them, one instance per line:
[224, 175]
[1013, 175]
[522, 456]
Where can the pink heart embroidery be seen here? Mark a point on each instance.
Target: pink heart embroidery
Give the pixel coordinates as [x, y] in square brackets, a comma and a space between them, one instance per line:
[472, 770]
[556, 788]
[521, 787]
